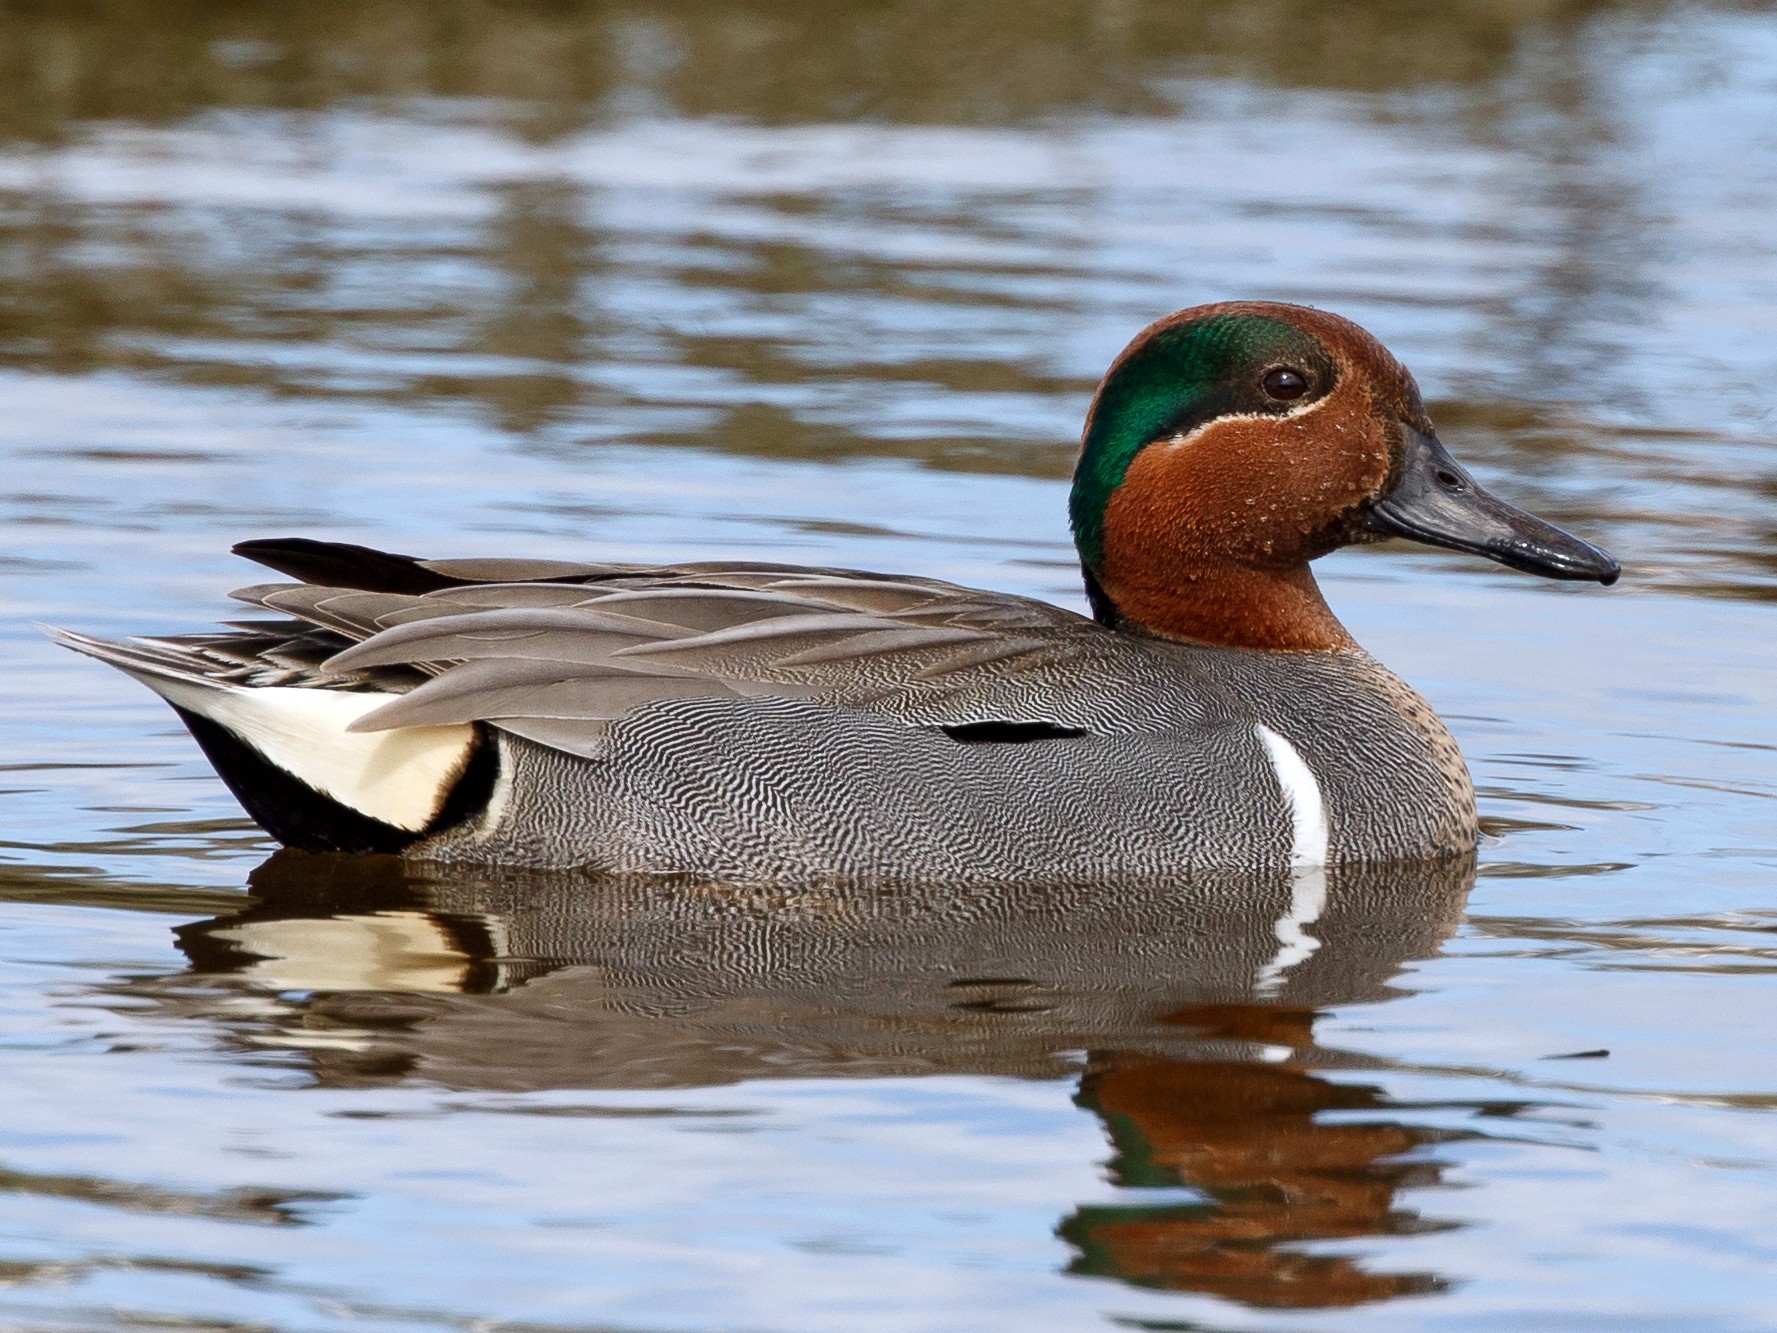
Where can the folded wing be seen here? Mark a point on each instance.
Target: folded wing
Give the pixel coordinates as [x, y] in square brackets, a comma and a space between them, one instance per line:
[557, 652]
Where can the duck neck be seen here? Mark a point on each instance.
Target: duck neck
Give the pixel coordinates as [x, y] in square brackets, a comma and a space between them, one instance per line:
[1234, 606]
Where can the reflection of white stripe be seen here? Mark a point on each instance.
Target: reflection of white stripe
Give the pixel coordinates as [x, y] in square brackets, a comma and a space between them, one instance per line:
[1308, 859]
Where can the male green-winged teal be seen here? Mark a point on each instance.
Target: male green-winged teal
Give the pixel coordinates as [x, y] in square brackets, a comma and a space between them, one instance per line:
[769, 722]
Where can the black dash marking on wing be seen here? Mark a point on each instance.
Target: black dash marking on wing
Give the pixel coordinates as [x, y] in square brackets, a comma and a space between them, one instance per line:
[1008, 733]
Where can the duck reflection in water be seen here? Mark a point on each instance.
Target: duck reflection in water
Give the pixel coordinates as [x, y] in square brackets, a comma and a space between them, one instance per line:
[1245, 1133]
[1193, 1002]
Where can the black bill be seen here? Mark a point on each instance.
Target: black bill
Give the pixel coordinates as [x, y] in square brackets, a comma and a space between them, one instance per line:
[1438, 503]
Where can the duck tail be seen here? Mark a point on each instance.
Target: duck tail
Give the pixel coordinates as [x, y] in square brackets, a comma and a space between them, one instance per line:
[287, 753]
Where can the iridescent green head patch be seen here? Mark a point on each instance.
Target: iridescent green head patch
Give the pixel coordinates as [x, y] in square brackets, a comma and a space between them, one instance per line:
[1182, 377]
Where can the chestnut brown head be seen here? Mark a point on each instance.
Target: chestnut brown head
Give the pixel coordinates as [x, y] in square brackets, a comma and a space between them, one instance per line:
[1231, 444]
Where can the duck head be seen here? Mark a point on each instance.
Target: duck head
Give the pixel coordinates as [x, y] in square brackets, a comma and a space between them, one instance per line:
[1231, 444]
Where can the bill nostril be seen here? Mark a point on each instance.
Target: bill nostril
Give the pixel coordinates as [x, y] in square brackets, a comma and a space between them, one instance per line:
[1450, 481]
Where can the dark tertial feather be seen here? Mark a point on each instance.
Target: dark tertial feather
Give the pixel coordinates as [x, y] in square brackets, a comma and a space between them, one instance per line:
[342, 565]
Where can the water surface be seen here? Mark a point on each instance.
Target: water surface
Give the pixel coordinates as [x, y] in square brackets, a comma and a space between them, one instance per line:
[803, 283]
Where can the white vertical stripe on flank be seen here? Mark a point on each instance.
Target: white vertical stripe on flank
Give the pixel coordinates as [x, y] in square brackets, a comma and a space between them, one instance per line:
[1308, 859]
[1308, 817]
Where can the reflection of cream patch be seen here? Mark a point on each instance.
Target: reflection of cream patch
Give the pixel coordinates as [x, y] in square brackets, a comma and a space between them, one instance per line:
[387, 951]
[400, 777]
[1308, 859]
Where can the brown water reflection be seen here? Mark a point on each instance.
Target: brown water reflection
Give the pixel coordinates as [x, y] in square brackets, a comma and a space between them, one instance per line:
[911, 61]
[1182, 1010]
[1247, 1134]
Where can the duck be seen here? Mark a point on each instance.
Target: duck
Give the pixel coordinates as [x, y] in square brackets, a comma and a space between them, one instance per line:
[770, 722]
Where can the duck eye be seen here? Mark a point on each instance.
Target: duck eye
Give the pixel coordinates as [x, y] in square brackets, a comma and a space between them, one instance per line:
[1284, 383]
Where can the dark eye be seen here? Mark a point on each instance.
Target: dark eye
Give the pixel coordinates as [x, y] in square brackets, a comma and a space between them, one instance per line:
[1283, 383]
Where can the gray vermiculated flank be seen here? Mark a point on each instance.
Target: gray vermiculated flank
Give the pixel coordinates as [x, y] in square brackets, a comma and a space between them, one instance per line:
[812, 789]
[769, 723]
[774, 788]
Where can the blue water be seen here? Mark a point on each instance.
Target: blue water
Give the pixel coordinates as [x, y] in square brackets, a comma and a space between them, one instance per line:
[644, 285]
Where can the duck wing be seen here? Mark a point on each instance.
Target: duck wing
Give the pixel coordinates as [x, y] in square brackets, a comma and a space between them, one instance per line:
[557, 652]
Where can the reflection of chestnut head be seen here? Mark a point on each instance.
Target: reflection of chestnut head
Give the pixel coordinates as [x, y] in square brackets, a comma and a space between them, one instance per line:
[1245, 1133]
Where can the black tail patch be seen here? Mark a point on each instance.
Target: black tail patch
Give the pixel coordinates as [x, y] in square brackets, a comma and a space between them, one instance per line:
[299, 816]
